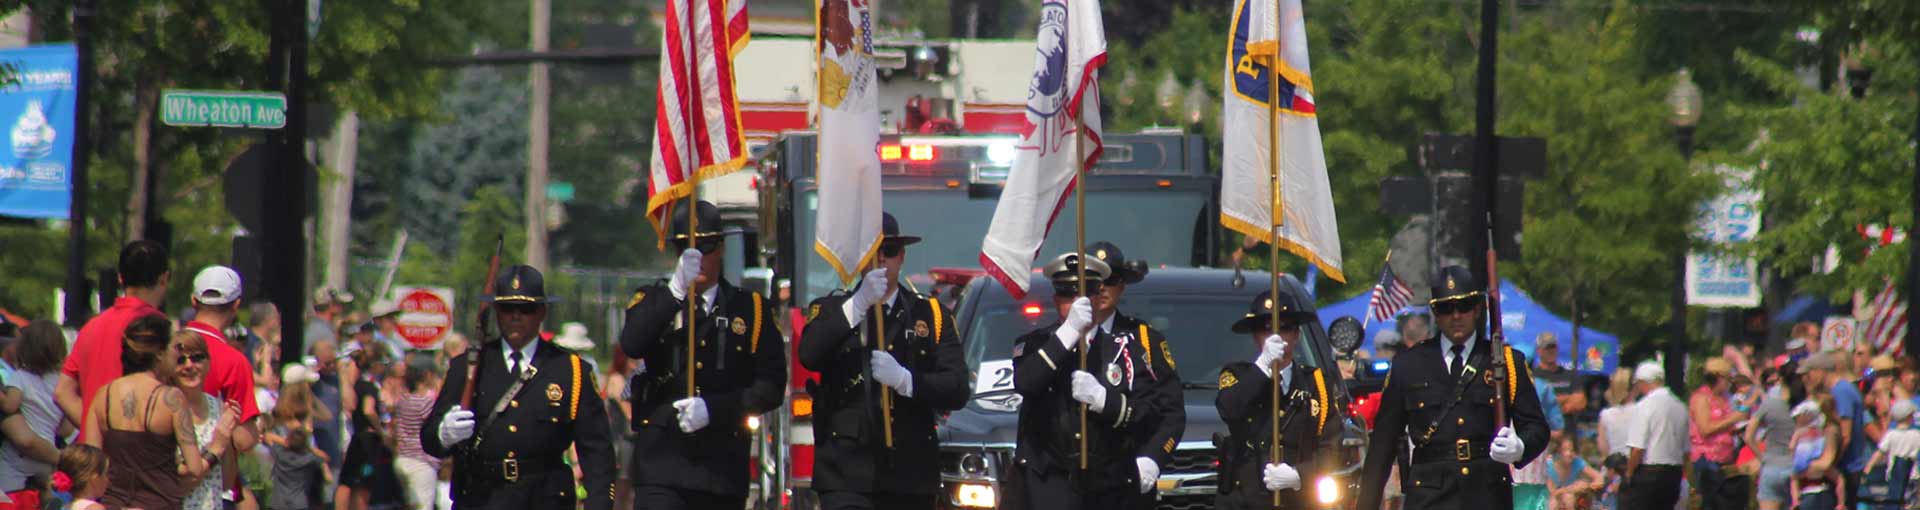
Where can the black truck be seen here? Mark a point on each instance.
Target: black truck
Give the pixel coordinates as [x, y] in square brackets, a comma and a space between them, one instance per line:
[1195, 308]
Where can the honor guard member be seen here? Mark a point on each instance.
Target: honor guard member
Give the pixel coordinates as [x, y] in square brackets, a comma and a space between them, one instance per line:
[691, 452]
[1440, 395]
[924, 366]
[532, 402]
[1248, 475]
[1151, 344]
[1127, 401]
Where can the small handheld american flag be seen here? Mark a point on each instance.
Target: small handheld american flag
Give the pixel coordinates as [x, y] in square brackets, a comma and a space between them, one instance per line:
[1389, 295]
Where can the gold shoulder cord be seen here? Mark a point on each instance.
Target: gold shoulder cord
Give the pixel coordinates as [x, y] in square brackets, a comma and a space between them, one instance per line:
[937, 319]
[1320, 383]
[573, 409]
[1513, 382]
[1146, 345]
[756, 324]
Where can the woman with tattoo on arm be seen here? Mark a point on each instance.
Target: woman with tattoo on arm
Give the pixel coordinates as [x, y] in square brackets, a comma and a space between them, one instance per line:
[140, 420]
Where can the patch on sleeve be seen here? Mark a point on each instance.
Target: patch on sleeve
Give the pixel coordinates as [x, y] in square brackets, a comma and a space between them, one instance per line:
[1166, 351]
[637, 296]
[1227, 380]
[813, 312]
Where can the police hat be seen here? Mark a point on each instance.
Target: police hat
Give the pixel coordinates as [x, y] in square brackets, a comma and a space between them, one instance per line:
[890, 232]
[1129, 271]
[519, 284]
[708, 217]
[1260, 312]
[1064, 272]
[1454, 283]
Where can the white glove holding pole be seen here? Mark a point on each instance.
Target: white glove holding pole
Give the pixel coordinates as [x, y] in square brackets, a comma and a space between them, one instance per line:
[455, 426]
[1270, 351]
[1149, 473]
[693, 414]
[873, 288]
[889, 372]
[684, 273]
[1507, 447]
[1280, 476]
[1079, 320]
[1088, 391]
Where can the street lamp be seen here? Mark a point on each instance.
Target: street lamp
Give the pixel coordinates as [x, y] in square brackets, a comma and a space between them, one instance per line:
[1196, 104]
[1685, 103]
[1167, 94]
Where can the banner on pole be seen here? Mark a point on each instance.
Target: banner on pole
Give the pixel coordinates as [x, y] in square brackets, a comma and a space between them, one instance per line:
[35, 170]
[1732, 218]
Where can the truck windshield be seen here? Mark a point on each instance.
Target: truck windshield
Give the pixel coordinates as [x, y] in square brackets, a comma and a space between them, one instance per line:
[951, 226]
[1198, 326]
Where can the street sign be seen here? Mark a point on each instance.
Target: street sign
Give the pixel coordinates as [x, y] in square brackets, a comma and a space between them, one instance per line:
[218, 108]
[426, 315]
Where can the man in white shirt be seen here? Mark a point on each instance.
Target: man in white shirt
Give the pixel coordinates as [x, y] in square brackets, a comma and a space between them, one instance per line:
[1657, 442]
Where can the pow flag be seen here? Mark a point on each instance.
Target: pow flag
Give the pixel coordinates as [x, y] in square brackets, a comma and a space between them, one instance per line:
[1268, 48]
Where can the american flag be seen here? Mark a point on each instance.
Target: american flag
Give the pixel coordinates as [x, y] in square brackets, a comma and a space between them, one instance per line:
[697, 132]
[1389, 296]
[1886, 331]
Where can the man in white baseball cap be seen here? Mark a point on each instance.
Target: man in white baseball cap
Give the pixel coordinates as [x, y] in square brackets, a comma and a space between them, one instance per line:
[386, 328]
[216, 307]
[1657, 442]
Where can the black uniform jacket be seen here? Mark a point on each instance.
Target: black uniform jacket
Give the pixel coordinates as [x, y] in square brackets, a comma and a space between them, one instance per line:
[1308, 420]
[852, 452]
[558, 408]
[740, 369]
[1144, 414]
[1417, 389]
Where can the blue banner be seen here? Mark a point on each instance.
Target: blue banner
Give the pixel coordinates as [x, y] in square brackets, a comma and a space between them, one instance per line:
[36, 112]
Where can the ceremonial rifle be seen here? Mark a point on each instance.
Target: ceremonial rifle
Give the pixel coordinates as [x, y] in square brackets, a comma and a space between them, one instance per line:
[482, 320]
[1495, 333]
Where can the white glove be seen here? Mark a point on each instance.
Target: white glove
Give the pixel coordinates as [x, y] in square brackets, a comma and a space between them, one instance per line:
[1270, 351]
[1506, 446]
[455, 426]
[1280, 476]
[684, 273]
[873, 288]
[693, 413]
[1149, 473]
[1079, 321]
[889, 372]
[1088, 391]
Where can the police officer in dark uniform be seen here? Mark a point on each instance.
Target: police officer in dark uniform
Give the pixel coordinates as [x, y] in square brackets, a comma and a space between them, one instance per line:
[1127, 401]
[924, 366]
[1440, 395]
[1127, 329]
[532, 402]
[1248, 475]
[691, 452]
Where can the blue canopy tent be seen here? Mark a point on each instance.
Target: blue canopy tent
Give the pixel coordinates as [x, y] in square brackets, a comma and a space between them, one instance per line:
[1523, 320]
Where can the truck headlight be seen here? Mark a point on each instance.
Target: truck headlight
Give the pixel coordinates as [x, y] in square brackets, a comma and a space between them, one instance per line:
[1326, 490]
[973, 464]
[974, 495]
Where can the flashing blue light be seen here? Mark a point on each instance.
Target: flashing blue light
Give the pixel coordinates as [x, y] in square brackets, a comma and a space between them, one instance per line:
[1380, 367]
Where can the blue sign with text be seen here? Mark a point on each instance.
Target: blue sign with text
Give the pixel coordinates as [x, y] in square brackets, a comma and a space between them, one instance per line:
[36, 113]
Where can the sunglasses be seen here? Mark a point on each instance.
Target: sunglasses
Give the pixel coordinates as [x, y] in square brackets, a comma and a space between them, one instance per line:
[1289, 327]
[1073, 289]
[1453, 307]
[517, 308]
[892, 250]
[708, 245]
[199, 359]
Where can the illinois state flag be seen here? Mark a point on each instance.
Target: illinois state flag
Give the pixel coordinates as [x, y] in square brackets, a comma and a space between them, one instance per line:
[848, 229]
[1068, 54]
[1268, 47]
[696, 133]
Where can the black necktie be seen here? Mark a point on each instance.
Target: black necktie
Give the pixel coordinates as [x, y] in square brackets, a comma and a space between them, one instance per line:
[1459, 360]
[513, 366]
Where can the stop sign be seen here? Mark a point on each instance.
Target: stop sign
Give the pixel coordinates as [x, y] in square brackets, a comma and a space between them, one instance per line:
[425, 316]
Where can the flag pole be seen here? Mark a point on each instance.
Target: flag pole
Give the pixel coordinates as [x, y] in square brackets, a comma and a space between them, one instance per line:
[886, 396]
[1278, 217]
[692, 167]
[1080, 262]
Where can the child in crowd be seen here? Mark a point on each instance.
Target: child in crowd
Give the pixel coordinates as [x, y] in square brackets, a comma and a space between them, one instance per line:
[1900, 448]
[1569, 479]
[1816, 485]
[85, 470]
[298, 474]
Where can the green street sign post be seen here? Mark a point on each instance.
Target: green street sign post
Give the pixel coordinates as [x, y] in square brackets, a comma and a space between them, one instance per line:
[218, 108]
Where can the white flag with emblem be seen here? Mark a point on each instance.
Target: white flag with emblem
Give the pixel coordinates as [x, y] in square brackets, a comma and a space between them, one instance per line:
[1263, 29]
[847, 231]
[1070, 49]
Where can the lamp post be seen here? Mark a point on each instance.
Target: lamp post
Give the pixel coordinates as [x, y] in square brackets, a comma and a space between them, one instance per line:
[1195, 106]
[1684, 103]
[1167, 96]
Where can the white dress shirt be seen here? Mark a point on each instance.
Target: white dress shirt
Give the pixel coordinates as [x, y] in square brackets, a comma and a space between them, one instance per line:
[1660, 428]
[1446, 349]
[526, 353]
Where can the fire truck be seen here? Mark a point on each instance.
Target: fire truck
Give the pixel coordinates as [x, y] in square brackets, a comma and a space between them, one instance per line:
[951, 111]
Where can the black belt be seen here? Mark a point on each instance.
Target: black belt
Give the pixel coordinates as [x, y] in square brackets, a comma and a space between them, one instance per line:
[510, 469]
[1460, 450]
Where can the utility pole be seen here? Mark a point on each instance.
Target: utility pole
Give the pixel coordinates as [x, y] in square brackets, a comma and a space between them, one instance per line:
[282, 241]
[76, 307]
[338, 220]
[536, 202]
